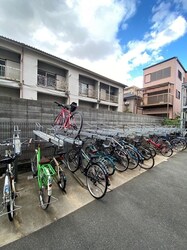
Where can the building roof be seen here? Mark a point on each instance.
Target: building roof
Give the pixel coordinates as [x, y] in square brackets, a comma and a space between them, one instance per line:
[176, 58]
[130, 96]
[60, 59]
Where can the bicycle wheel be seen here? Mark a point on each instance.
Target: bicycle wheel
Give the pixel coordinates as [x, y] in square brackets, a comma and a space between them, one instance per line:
[151, 149]
[46, 188]
[73, 160]
[147, 163]
[10, 210]
[166, 150]
[11, 206]
[108, 164]
[146, 153]
[96, 180]
[177, 145]
[76, 123]
[133, 158]
[15, 169]
[62, 181]
[122, 161]
[34, 165]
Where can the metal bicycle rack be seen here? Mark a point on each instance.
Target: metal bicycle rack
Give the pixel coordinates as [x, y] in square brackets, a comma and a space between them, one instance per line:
[16, 207]
[51, 136]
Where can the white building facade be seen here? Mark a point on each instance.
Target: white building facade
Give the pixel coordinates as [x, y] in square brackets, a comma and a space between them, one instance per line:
[29, 73]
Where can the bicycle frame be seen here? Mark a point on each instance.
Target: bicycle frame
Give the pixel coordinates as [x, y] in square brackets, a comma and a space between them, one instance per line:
[156, 145]
[48, 171]
[64, 116]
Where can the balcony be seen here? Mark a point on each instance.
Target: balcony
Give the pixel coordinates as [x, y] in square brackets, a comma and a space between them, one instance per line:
[108, 97]
[9, 73]
[87, 92]
[185, 102]
[155, 100]
[51, 82]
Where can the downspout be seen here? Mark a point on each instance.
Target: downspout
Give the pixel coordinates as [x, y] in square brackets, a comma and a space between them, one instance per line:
[22, 81]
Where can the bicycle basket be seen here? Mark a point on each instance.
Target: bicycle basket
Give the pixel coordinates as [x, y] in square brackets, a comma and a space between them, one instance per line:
[73, 106]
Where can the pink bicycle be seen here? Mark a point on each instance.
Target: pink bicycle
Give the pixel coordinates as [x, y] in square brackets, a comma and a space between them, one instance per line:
[68, 120]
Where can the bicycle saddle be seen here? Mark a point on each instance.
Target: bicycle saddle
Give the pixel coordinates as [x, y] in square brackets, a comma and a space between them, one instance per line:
[8, 159]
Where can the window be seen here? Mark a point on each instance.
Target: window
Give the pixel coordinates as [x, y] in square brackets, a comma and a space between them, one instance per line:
[179, 75]
[46, 79]
[2, 67]
[147, 78]
[83, 89]
[163, 73]
[177, 94]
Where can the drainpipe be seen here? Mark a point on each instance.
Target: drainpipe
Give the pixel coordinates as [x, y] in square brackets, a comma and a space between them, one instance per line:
[182, 112]
[22, 81]
[168, 102]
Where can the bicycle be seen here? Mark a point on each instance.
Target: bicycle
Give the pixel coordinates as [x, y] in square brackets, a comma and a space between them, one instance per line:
[145, 159]
[68, 120]
[9, 190]
[101, 156]
[162, 146]
[46, 173]
[97, 180]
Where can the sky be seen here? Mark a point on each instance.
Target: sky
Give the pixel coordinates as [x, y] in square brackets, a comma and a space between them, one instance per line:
[114, 38]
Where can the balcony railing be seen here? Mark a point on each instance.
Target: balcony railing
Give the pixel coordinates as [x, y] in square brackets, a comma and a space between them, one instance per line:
[51, 82]
[158, 99]
[9, 73]
[88, 93]
[109, 98]
[184, 101]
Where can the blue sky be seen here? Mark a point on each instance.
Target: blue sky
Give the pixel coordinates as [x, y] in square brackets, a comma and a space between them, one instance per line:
[115, 38]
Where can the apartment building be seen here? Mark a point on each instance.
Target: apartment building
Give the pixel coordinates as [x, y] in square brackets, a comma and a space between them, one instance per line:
[29, 73]
[132, 100]
[162, 88]
[184, 105]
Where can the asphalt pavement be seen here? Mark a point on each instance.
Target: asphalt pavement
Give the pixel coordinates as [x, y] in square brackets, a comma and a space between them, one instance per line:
[147, 212]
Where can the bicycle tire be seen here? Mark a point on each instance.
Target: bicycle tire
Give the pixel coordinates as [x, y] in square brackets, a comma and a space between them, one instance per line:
[177, 145]
[133, 158]
[96, 180]
[147, 163]
[151, 149]
[145, 152]
[11, 205]
[166, 151]
[122, 161]
[108, 164]
[76, 121]
[44, 196]
[62, 181]
[15, 169]
[73, 160]
[10, 211]
[105, 159]
[34, 165]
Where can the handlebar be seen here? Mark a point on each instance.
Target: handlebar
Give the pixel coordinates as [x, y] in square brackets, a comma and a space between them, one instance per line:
[62, 105]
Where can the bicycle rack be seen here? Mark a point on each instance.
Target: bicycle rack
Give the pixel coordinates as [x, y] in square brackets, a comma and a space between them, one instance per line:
[15, 209]
[54, 199]
[16, 140]
[79, 181]
[53, 138]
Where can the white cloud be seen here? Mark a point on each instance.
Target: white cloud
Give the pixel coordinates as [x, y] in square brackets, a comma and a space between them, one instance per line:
[84, 32]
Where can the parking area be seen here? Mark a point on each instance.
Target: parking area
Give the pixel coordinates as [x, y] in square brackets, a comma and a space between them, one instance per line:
[30, 217]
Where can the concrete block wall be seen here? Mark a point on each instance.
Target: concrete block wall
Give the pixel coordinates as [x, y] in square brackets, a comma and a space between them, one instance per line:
[26, 113]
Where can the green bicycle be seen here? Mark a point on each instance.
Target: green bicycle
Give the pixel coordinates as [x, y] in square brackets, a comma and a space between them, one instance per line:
[46, 171]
